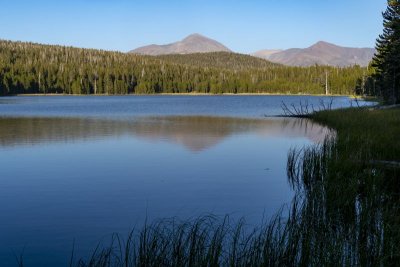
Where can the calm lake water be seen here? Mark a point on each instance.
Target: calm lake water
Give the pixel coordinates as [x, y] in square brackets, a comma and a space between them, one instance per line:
[82, 168]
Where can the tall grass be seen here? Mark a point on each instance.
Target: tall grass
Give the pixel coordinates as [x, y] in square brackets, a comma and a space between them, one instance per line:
[346, 210]
[206, 241]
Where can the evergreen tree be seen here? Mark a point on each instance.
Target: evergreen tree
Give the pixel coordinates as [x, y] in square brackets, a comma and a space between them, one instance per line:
[387, 57]
[34, 68]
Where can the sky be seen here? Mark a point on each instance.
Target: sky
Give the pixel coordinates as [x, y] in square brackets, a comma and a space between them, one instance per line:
[243, 26]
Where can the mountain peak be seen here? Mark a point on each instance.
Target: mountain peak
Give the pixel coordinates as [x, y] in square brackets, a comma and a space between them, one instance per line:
[321, 53]
[197, 38]
[323, 44]
[194, 43]
[195, 35]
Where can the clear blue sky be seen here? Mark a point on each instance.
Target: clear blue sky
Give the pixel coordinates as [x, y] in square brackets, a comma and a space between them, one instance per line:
[244, 26]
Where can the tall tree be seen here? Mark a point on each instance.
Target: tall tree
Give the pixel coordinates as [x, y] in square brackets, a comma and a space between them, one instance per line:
[34, 68]
[387, 57]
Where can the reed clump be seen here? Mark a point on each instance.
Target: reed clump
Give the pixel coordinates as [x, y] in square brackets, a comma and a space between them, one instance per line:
[345, 211]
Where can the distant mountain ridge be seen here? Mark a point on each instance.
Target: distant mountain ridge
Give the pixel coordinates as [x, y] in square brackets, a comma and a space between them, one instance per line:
[111, 72]
[321, 53]
[194, 43]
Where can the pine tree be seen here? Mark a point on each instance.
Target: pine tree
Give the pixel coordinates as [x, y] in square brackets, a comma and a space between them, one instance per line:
[387, 57]
[34, 68]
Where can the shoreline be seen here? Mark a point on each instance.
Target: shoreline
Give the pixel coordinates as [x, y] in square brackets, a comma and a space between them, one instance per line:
[197, 94]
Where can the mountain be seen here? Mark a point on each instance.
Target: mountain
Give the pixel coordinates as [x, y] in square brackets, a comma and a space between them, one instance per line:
[321, 53]
[194, 43]
[110, 72]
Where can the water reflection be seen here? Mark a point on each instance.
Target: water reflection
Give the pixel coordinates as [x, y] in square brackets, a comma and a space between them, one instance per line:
[85, 178]
[195, 133]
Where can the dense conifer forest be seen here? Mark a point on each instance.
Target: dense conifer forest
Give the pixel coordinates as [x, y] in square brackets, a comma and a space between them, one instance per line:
[223, 60]
[27, 68]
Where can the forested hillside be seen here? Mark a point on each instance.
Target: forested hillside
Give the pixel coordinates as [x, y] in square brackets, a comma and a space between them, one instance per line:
[34, 68]
[223, 60]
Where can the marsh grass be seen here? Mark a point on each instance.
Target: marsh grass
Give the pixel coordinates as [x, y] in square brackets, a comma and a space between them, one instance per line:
[345, 211]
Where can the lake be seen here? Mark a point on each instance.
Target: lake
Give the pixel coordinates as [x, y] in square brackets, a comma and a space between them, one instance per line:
[77, 169]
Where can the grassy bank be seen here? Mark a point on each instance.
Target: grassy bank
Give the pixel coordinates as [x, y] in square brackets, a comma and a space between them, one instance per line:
[345, 212]
[375, 131]
[350, 187]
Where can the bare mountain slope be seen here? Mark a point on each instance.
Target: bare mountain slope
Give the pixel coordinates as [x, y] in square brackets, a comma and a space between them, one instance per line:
[194, 43]
[323, 53]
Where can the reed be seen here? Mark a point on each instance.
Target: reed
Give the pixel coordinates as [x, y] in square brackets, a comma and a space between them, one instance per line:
[344, 213]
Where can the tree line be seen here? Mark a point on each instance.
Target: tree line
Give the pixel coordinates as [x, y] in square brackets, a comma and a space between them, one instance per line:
[28, 68]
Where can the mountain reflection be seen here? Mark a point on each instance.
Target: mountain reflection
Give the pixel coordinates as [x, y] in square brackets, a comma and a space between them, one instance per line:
[195, 133]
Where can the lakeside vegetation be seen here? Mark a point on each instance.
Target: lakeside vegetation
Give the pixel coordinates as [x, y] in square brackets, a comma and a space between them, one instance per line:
[347, 203]
[345, 212]
[27, 68]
